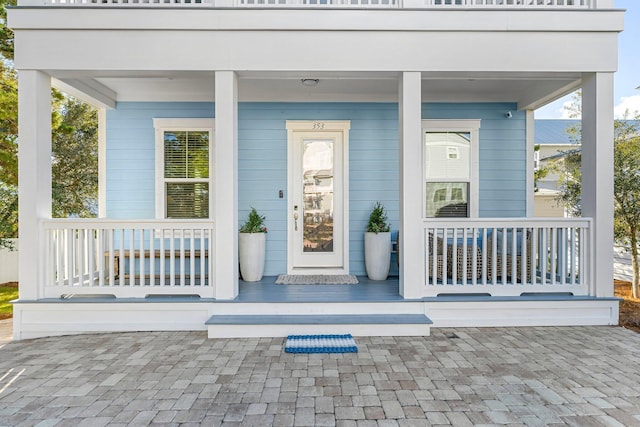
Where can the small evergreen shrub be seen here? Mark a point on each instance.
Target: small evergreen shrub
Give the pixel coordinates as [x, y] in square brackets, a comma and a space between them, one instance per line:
[378, 220]
[254, 223]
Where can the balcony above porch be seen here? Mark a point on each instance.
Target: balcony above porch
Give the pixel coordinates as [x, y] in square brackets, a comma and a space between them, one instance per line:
[336, 4]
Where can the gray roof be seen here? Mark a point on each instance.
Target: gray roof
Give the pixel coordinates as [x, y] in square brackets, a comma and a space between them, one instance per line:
[550, 131]
[553, 131]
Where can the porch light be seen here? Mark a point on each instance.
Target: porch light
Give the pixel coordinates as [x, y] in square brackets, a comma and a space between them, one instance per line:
[309, 82]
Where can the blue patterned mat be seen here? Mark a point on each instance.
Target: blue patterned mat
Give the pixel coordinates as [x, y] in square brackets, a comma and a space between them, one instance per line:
[320, 344]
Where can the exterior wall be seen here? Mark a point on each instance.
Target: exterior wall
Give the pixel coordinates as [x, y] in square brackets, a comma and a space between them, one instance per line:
[262, 161]
[502, 156]
[130, 154]
[546, 205]
[550, 182]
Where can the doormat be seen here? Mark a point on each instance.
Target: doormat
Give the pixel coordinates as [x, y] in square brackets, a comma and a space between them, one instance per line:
[316, 279]
[320, 344]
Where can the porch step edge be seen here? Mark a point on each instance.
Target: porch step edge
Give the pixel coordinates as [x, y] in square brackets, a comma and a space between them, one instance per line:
[320, 319]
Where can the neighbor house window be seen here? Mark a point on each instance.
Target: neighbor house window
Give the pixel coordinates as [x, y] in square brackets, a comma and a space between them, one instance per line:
[450, 168]
[183, 168]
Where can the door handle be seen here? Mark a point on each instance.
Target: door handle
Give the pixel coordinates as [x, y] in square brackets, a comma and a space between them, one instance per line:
[295, 217]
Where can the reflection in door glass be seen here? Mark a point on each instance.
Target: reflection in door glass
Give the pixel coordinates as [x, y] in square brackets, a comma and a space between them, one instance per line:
[317, 215]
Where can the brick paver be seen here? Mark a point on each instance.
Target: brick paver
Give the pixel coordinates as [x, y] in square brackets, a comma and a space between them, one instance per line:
[577, 376]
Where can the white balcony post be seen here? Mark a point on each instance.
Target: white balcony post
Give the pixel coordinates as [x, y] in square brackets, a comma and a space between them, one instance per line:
[412, 277]
[597, 176]
[226, 185]
[34, 171]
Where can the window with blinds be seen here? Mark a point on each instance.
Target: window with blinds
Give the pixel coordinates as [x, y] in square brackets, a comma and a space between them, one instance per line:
[186, 173]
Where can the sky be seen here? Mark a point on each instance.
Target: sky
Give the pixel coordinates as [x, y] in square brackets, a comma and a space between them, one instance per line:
[627, 79]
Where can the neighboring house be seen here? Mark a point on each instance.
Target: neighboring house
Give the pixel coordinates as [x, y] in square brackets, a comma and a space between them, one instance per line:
[208, 108]
[552, 140]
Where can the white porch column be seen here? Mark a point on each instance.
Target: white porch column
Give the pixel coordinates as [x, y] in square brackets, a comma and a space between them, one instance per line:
[412, 243]
[226, 185]
[34, 177]
[597, 175]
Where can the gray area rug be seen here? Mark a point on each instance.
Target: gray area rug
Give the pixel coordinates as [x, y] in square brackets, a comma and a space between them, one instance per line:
[316, 279]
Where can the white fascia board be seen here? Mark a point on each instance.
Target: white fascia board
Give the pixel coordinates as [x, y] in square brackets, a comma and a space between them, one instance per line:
[148, 18]
[318, 51]
[87, 90]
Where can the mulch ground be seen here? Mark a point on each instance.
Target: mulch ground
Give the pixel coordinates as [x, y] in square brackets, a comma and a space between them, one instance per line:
[629, 306]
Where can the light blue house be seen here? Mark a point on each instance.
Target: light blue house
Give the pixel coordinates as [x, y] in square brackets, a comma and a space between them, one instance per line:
[312, 113]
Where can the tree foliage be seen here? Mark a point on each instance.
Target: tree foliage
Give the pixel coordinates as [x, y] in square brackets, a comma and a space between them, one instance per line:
[74, 156]
[626, 190]
[6, 34]
[75, 159]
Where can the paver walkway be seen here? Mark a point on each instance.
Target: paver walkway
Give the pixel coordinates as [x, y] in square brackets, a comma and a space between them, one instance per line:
[579, 376]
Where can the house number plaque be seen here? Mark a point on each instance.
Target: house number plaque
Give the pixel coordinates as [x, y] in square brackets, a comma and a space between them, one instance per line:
[318, 126]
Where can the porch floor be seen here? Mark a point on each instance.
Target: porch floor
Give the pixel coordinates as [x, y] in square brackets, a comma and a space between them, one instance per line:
[365, 291]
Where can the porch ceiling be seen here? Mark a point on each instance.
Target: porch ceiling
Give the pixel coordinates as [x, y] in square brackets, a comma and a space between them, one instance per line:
[529, 90]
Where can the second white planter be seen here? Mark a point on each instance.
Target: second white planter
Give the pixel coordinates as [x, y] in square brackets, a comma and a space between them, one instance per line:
[251, 247]
[377, 254]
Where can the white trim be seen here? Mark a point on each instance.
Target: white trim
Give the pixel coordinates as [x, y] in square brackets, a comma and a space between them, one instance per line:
[530, 147]
[472, 126]
[194, 124]
[102, 163]
[341, 126]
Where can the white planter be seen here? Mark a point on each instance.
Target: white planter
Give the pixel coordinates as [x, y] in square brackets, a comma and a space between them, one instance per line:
[251, 247]
[377, 255]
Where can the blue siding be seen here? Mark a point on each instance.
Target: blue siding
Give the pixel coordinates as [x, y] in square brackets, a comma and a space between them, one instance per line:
[131, 154]
[502, 152]
[262, 161]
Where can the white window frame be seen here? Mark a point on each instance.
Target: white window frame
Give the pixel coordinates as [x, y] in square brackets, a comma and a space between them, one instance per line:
[471, 126]
[161, 125]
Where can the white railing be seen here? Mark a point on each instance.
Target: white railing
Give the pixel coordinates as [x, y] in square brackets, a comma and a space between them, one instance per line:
[128, 258]
[507, 257]
[329, 4]
[514, 4]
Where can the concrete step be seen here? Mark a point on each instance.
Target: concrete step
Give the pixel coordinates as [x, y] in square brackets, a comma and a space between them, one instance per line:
[227, 326]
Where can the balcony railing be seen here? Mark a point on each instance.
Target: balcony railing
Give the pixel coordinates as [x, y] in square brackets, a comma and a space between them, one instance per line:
[128, 258]
[507, 257]
[329, 4]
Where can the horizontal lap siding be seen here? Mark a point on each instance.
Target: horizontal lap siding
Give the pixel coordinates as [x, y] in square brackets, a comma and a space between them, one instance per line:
[131, 154]
[502, 152]
[262, 161]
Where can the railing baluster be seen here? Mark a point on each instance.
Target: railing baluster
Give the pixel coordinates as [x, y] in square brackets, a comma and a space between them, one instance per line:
[143, 258]
[100, 250]
[152, 257]
[60, 255]
[172, 257]
[162, 260]
[92, 241]
[464, 256]
[121, 263]
[514, 255]
[192, 258]
[454, 255]
[70, 255]
[132, 257]
[554, 255]
[182, 264]
[445, 267]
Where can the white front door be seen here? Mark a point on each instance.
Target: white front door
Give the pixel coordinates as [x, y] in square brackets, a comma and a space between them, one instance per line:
[317, 202]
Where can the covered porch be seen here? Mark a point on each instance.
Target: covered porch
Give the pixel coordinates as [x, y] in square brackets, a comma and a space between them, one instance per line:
[137, 261]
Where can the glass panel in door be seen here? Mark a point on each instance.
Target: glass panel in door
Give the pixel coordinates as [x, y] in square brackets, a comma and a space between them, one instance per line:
[317, 188]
